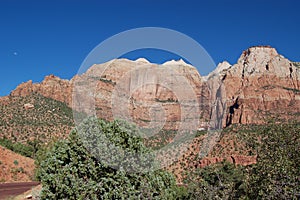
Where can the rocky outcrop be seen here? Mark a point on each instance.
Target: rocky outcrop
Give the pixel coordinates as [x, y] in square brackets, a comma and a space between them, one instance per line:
[262, 84]
[28, 106]
[51, 87]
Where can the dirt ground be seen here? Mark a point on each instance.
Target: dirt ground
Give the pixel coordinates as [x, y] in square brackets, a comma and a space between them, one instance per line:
[14, 167]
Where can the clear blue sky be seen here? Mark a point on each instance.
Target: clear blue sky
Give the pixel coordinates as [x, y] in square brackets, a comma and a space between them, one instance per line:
[39, 37]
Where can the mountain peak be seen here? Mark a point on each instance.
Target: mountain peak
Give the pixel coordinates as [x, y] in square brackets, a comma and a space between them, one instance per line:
[51, 77]
[258, 54]
[142, 60]
[223, 66]
[175, 62]
[259, 60]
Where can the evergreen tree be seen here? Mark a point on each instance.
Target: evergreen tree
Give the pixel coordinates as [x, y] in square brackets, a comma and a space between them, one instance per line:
[71, 170]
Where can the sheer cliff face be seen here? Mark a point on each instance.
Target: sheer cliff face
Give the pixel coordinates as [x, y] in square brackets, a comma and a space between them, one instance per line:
[154, 96]
[261, 84]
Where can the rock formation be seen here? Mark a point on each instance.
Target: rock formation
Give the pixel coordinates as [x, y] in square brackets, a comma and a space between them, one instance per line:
[28, 106]
[154, 96]
[51, 87]
[260, 85]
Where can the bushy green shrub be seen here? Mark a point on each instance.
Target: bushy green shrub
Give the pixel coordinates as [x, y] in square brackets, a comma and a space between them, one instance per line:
[72, 170]
[17, 147]
[218, 181]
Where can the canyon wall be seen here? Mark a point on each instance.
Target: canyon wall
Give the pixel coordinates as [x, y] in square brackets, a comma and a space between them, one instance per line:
[261, 85]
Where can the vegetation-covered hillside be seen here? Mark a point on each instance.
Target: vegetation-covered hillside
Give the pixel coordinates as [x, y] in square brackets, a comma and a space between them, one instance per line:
[48, 118]
[275, 175]
[23, 127]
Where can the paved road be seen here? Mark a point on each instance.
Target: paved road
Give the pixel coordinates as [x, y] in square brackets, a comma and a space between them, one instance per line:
[14, 189]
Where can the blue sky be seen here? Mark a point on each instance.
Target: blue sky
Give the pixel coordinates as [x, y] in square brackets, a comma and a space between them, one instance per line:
[38, 37]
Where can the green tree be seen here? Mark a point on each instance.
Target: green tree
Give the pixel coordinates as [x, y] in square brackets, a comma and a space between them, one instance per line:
[70, 169]
[219, 181]
[277, 172]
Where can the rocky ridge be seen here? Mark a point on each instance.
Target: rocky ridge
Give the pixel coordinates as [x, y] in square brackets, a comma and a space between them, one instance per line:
[261, 84]
[51, 87]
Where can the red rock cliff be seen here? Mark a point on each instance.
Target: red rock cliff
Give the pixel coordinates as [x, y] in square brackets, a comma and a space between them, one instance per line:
[261, 84]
